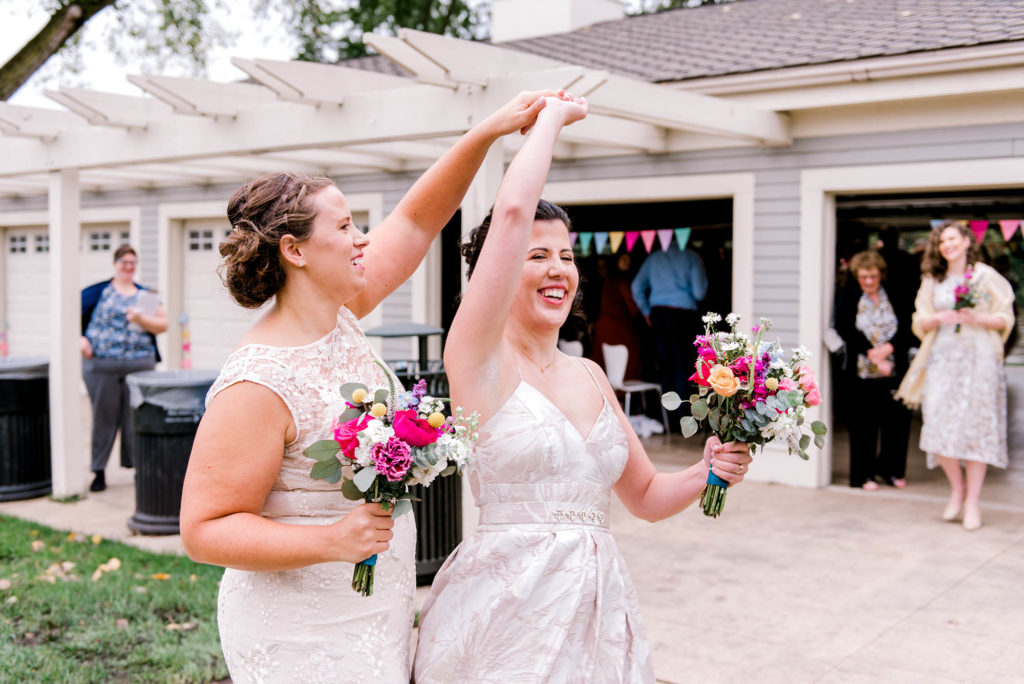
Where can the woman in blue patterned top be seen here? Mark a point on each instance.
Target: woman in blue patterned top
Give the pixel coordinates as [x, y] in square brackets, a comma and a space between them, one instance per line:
[118, 338]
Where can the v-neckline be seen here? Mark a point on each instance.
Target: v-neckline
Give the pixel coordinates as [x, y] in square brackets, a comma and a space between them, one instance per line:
[590, 432]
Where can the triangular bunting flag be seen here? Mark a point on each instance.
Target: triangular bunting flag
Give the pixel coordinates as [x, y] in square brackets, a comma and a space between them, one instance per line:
[1009, 227]
[585, 239]
[631, 238]
[665, 238]
[648, 238]
[937, 222]
[682, 237]
[573, 237]
[600, 240]
[979, 228]
[616, 239]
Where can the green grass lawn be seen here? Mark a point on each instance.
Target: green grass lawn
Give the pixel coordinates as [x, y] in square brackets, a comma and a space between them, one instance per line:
[152, 619]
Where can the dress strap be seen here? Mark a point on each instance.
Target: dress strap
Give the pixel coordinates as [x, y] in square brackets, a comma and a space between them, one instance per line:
[592, 377]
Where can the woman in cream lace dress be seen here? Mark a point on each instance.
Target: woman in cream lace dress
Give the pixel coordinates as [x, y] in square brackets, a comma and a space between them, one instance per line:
[539, 592]
[287, 612]
[957, 376]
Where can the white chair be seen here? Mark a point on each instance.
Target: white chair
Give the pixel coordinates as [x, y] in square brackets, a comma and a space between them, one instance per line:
[571, 347]
[616, 356]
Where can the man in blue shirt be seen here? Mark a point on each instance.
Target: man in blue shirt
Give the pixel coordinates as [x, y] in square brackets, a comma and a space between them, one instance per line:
[667, 288]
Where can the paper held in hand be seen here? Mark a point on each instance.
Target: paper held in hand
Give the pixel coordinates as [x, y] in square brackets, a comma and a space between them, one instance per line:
[147, 304]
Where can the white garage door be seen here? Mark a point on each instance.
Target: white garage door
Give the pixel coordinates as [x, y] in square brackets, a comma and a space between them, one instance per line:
[27, 278]
[215, 321]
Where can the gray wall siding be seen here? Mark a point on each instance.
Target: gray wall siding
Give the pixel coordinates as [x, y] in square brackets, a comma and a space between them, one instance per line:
[777, 197]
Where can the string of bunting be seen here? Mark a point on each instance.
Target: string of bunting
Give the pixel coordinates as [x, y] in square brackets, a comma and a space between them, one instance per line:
[609, 242]
[1008, 227]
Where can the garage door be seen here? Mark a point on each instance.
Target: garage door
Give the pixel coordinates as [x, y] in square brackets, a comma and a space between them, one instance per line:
[216, 322]
[27, 278]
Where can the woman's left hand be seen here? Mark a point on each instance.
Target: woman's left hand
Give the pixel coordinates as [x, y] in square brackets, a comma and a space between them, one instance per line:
[520, 113]
[132, 314]
[729, 461]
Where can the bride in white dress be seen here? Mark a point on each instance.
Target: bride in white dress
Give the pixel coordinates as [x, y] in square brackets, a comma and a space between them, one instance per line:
[539, 592]
[286, 609]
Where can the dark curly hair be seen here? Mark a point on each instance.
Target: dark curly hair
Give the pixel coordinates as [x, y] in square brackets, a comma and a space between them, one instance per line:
[933, 264]
[261, 212]
[471, 245]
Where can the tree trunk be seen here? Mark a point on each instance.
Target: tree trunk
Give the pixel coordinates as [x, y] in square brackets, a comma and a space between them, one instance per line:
[62, 25]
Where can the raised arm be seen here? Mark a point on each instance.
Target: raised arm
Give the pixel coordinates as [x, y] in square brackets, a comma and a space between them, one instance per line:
[472, 353]
[400, 241]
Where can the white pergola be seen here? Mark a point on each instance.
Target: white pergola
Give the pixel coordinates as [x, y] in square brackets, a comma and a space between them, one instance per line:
[320, 119]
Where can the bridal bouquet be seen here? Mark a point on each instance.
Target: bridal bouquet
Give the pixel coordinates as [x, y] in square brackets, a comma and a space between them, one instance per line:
[747, 392]
[383, 444]
[965, 295]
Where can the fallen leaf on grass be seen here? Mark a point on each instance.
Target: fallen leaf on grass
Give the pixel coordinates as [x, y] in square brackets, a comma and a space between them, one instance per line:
[5, 584]
[76, 537]
[96, 538]
[140, 590]
[192, 578]
[12, 599]
[173, 627]
[38, 545]
[121, 623]
[160, 576]
[188, 626]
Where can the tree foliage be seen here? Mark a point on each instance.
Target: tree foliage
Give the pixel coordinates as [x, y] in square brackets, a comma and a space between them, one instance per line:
[654, 6]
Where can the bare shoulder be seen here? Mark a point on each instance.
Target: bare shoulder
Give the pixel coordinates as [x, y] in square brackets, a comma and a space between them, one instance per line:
[246, 411]
[600, 377]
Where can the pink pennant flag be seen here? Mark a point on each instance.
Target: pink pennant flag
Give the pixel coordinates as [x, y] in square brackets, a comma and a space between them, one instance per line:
[1009, 227]
[665, 238]
[631, 238]
[573, 237]
[979, 228]
[615, 239]
[648, 237]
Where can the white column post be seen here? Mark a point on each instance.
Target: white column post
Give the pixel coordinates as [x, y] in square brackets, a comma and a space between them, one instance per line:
[68, 463]
[478, 201]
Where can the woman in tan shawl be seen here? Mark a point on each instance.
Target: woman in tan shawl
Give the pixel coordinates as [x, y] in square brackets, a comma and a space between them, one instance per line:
[957, 376]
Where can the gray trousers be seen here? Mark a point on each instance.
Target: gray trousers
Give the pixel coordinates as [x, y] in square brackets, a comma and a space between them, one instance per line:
[111, 409]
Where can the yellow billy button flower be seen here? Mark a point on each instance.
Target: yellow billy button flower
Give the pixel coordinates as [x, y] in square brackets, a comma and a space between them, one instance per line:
[771, 384]
[435, 419]
[359, 396]
[378, 410]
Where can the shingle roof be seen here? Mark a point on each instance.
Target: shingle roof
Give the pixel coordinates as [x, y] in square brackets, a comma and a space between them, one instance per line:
[756, 35]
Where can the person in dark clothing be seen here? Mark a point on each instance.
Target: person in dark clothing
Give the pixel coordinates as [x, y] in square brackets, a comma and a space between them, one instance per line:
[876, 328]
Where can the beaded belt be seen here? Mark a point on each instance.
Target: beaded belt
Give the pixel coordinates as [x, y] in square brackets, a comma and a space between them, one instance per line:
[543, 512]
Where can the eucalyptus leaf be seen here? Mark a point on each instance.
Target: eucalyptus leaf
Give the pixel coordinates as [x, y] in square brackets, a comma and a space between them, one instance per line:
[324, 450]
[819, 441]
[805, 441]
[380, 396]
[409, 496]
[671, 401]
[694, 398]
[350, 491]
[803, 455]
[699, 410]
[402, 506]
[350, 414]
[688, 426]
[349, 387]
[334, 477]
[713, 420]
[364, 478]
[448, 471]
[325, 469]
[818, 428]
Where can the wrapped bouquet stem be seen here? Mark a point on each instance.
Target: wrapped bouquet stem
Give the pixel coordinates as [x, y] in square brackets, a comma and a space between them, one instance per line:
[748, 392]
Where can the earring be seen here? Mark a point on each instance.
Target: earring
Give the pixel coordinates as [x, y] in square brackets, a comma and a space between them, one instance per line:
[301, 264]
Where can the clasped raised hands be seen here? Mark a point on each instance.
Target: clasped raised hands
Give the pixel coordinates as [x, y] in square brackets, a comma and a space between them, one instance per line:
[520, 113]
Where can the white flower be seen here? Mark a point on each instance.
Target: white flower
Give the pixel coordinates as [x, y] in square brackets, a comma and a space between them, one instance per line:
[375, 432]
[801, 354]
[710, 318]
[730, 345]
[732, 319]
[362, 455]
[425, 476]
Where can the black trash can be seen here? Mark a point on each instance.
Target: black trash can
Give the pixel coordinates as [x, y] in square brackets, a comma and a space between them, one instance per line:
[439, 511]
[24, 428]
[166, 409]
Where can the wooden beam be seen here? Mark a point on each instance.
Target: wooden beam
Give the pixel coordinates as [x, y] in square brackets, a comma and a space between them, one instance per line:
[36, 122]
[411, 59]
[110, 109]
[316, 83]
[205, 98]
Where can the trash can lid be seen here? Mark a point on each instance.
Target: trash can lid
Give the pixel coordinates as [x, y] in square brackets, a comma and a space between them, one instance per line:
[24, 367]
[177, 389]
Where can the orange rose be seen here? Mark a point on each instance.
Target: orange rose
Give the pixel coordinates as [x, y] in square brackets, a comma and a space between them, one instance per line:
[723, 381]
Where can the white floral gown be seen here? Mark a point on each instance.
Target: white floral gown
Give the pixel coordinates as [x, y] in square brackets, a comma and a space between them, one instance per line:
[539, 592]
[307, 625]
[964, 402]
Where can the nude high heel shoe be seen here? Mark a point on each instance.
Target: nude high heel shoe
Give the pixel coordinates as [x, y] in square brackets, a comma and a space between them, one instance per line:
[972, 518]
[952, 511]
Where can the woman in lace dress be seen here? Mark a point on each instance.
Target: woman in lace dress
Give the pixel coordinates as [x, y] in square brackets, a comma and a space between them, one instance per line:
[286, 609]
[957, 376]
[539, 592]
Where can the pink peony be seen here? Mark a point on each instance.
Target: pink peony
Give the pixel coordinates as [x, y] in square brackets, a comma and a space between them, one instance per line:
[345, 434]
[413, 429]
[787, 385]
[807, 381]
[813, 397]
[392, 459]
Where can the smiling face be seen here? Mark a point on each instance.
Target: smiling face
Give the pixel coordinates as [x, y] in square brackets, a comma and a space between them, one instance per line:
[953, 244]
[333, 254]
[124, 268]
[870, 280]
[548, 283]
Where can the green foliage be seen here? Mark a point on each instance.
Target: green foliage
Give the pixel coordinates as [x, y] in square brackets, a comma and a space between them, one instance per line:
[364, 478]
[323, 450]
[125, 626]
[654, 6]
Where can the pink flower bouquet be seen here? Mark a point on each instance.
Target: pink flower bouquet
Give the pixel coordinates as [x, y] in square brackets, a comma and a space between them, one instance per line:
[965, 295]
[381, 446]
[747, 392]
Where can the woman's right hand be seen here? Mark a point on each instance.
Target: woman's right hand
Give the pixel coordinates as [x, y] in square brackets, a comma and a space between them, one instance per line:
[85, 346]
[366, 530]
[572, 109]
[947, 316]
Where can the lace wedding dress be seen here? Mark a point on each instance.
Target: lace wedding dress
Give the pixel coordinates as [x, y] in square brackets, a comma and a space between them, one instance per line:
[307, 625]
[539, 592]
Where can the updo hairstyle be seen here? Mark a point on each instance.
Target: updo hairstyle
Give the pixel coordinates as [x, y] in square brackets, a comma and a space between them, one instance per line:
[261, 212]
[546, 211]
